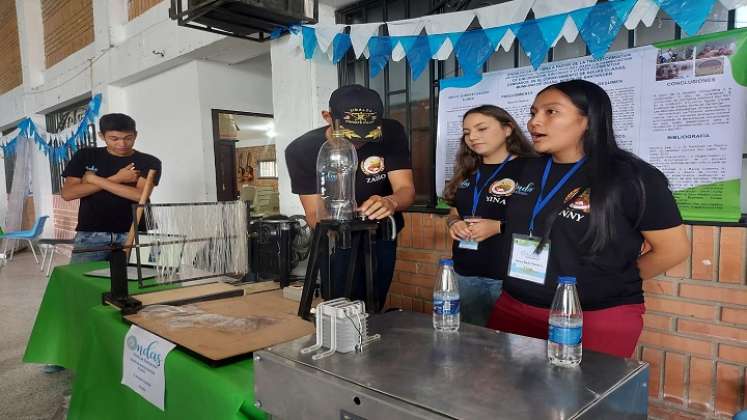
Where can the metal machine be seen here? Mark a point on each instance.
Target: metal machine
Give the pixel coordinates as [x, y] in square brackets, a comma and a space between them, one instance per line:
[414, 372]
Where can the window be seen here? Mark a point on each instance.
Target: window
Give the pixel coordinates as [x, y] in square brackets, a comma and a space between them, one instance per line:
[59, 120]
[268, 169]
[414, 102]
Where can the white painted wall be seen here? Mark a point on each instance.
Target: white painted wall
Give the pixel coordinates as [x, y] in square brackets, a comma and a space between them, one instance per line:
[166, 110]
[243, 87]
[173, 113]
[301, 90]
[128, 56]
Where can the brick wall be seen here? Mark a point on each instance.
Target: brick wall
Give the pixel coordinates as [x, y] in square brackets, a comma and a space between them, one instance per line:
[136, 8]
[10, 59]
[68, 27]
[695, 327]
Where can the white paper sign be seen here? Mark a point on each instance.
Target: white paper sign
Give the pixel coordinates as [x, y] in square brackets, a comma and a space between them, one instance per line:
[143, 361]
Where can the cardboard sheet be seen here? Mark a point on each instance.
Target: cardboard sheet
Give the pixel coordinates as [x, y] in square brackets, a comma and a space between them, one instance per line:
[216, 344]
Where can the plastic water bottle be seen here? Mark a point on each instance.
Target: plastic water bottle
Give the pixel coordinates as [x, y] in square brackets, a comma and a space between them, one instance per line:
[446, 306]
[566, 323]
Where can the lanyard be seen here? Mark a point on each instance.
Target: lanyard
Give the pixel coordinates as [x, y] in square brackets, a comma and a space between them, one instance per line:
[542, 199]
[477, 191]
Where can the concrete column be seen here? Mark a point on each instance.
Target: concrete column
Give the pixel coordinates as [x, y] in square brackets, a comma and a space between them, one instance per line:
[31, 37]
[300, 91]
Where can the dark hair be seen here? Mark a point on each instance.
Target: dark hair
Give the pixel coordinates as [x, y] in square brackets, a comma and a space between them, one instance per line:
[467, 161]
[607, 163]
[116, 122]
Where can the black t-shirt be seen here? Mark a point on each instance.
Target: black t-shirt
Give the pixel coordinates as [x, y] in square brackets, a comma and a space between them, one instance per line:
[610, 278]
[104, 211]
[375, 160]
[484, 261]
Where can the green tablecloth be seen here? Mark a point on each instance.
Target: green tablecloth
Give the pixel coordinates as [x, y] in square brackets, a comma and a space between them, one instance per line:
[57, 337]
[73, 329]
[194, 390]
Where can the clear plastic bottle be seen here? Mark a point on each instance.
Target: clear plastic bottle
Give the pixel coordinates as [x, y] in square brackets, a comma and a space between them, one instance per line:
[566, 325]
[336, 164]
[446, 307]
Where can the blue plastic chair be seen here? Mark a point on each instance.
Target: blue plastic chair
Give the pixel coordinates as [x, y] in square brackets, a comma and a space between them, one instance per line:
[25, 235]
[742, 415]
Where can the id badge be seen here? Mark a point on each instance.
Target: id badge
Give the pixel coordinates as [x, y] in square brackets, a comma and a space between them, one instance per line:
[525, 264]
[463, 244]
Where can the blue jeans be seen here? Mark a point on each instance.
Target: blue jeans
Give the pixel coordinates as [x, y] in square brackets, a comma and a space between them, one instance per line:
[478, 296]
[86, 240]
[386, 254]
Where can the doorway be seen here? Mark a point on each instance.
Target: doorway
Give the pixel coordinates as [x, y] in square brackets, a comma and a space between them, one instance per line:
[245, 160]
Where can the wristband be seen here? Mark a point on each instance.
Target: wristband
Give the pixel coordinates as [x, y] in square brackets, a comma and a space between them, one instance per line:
[450, 222]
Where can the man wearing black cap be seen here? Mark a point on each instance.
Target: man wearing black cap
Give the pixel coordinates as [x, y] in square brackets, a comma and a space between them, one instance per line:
[383, 181]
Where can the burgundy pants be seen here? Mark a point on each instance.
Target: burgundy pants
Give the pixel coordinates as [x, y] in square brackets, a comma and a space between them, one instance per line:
[612, 330]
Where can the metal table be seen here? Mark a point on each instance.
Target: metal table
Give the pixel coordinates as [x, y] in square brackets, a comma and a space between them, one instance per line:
[417, 373]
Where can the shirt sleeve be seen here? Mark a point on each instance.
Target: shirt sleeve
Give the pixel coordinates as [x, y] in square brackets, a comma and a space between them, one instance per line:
[399, 149]
[144, 163]
[77, 165]
[660, 210]
[302, 169]
[155, 163]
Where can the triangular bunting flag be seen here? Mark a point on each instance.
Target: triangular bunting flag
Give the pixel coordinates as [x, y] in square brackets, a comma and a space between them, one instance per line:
[602, 23]
[536, 36]
[340, 46]
[472, 50]
[309, 41]
[418, 55]
[325, 34]
[440, 45]
[495, 35]
[360, 34]
[644, 11]
[690, 15]
[380, 48]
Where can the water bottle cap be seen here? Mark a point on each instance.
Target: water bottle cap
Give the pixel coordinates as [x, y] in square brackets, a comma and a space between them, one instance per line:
[446, 261]
[566, 280]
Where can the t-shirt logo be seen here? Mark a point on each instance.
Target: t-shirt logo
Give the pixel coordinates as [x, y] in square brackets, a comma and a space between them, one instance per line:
[503, 187]
[524, 189]
[373, 165]
[91, 168]
[582, 202]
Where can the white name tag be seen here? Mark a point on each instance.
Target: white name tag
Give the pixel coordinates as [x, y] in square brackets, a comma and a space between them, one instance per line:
[525, 264]
[465, 244]
[143, 361]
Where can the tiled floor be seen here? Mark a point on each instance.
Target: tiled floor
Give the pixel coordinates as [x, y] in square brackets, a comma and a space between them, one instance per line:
[25, 391]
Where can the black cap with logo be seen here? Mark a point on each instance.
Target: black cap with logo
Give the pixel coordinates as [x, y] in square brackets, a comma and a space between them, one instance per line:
[358, 110]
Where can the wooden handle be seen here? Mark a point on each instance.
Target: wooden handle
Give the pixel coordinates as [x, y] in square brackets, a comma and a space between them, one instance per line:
[144, 196]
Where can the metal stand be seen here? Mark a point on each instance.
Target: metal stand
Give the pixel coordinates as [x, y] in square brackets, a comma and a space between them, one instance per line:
[119, 295]
[360, 237]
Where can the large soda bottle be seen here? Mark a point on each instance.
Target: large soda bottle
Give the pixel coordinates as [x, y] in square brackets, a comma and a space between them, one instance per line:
[566, 324]
[336, 164]
[446, 306]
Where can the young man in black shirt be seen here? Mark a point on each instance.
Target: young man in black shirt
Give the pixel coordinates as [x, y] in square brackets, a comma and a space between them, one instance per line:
[107, 180]
[383, 180]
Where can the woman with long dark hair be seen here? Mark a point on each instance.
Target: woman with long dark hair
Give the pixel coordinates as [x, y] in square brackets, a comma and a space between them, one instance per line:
[484, 178]
[586, 210]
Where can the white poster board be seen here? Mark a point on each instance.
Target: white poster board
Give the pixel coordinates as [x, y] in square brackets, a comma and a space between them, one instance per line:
[677, 105]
